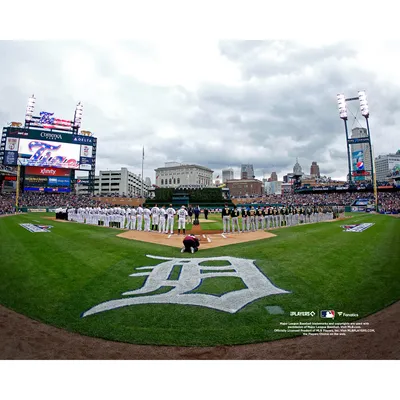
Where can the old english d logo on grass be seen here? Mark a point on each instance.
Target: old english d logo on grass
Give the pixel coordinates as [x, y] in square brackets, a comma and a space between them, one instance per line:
[191, 277]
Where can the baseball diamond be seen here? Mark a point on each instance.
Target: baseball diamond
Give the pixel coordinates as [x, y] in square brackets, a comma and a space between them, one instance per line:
[149, 292]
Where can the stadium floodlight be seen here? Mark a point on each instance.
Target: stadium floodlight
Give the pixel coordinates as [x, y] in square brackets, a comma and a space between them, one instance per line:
[78, 115]
[342, 106]
[30, 108]
[363, 103]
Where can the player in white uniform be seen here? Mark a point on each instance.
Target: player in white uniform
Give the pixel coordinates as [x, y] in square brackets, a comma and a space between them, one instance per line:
[106, 217]
[133, 218]
[139, 217]
[155, 211]
[128, 217]
[162, 216]
[123, 218]
[182, 215]
[170, 219]
[146, 213]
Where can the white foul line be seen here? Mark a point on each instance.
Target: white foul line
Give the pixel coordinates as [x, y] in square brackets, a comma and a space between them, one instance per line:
[169, 236]
[223, 235]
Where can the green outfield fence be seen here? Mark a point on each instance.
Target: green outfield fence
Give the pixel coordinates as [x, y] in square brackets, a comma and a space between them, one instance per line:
[39, 209]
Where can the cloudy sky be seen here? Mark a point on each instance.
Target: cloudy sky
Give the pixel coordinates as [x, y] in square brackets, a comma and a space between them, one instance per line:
[217, 103]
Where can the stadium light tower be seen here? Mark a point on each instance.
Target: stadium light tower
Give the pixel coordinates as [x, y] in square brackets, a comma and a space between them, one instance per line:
[29, 109]
[343, 115]
[78, 116]
[362, 98]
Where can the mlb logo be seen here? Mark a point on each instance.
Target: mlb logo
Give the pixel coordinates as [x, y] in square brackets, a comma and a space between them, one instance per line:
[327, 314]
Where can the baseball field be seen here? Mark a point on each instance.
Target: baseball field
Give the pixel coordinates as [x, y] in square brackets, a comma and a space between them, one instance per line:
[87, 279]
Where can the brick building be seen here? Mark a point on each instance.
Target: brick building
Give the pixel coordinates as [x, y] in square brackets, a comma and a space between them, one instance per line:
[243, 187]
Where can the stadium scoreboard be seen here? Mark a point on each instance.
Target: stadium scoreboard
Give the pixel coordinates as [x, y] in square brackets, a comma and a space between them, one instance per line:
[49, 158]
[40, 148]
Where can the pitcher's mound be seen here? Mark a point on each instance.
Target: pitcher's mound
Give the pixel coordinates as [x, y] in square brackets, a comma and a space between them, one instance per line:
[207, 241]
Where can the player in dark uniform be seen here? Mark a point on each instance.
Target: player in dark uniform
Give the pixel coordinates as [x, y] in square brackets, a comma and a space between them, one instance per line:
[252, 222]
[226, 216]
[269, 218]
[190, 213]
[263, 216]
[258, 218]
[244, 220]
[235, 219]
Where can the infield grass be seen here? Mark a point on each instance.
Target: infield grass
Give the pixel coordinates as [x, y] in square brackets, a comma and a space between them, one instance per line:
[55, 277]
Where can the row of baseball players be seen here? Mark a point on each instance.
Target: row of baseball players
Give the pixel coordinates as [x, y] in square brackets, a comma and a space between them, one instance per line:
[271, 217]
[140, 218]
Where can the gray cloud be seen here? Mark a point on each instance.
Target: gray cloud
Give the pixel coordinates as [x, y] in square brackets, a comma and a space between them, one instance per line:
[283, 105]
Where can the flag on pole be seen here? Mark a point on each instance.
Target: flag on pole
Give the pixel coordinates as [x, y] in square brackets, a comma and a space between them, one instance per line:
[143, 151]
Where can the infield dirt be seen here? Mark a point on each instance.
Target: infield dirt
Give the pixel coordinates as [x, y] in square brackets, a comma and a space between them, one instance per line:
[207, 240]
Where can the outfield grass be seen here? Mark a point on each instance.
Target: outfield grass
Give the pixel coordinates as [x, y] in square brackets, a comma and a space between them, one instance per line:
[55, 277]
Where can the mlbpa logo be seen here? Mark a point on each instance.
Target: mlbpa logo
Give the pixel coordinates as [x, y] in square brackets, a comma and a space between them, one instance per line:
[191, 276]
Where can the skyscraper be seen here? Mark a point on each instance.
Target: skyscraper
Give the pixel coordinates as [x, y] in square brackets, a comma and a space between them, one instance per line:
[385, 164]
[227, 174]
[314, 170]
[274, 177]
[247, 171]
[297, 170]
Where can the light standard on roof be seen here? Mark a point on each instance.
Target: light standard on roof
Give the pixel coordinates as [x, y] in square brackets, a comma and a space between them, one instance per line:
[78, 116]
[343, 115]
[362, 97]
[29, 110]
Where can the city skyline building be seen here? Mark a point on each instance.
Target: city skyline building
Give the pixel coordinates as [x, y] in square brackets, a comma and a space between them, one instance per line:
[274, 177]
[247, 171]
[297, 170]
[122, 182]
[384, 165]
[314, 170]
[176, 174]
[227, 174]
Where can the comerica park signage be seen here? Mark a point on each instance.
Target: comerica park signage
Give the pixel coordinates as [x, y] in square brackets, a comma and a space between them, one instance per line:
[192, 273]
[39, 134]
